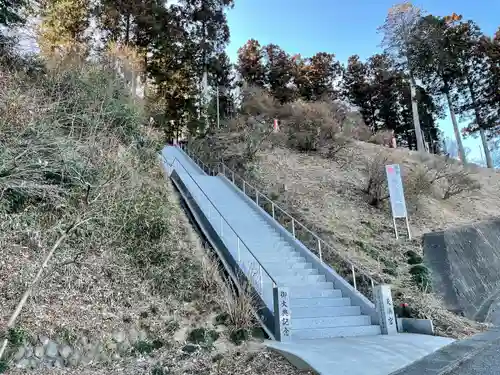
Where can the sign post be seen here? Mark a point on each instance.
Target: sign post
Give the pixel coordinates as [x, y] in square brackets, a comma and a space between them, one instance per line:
[385, 309]
[282, 314]
[397, 196]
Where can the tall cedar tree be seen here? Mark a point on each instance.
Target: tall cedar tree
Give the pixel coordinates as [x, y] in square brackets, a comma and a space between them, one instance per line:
[398, 30]
[474, 83]
[359, 91]
[315, 77]
[10, 12]
[63, 26]
[251, 64]
[279, 73]
[435, 48]
[221, 79]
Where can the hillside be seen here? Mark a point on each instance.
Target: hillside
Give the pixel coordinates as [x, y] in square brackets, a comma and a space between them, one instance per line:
[328, 197]
[318, 167]
[130, 288]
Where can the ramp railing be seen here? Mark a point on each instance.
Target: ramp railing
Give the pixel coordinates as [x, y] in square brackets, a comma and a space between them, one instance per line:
[359, 278]
[260, 279]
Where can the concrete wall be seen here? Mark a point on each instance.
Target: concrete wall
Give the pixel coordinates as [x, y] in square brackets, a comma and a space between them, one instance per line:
[465, 267]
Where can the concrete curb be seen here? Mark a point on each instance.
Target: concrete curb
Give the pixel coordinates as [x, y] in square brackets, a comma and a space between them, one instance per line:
[449, 358]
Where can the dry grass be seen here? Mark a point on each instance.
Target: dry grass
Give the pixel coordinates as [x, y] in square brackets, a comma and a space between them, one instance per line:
[72, 146]
[331, 200]
[248, 360]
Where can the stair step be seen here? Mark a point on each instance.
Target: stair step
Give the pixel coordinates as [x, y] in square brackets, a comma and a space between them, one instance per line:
[322, 302]
[299, 279]
[313, 312]
[278, 260]
[291, 272]
[330, 321]
[272, 266]
[329, 332]
[314, 290]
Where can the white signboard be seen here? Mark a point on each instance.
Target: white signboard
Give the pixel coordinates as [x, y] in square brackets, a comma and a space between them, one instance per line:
[396, 195]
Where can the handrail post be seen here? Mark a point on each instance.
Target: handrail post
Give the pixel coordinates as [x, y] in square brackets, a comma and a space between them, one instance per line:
[224, 169]
[257, 197]
[354, 276]
[244, 189]
[233, 176]
[293, 227]
[261, 281]
[272, 208]
[319, 249]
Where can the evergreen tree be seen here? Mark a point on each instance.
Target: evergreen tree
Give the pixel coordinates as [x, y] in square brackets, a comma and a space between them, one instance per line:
[251, 63]
[10, 12]
[279, 73]
[398, 32]
[63, 26]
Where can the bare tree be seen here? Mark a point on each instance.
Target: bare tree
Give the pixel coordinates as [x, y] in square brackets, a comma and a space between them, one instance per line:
[398, 30]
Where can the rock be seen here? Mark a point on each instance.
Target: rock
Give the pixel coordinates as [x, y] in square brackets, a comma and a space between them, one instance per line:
[87, 360]
[124, 346]
[83, 341]
[102, 357]
[180, 334]
[119, 336]
[133, 335]
[19, 354]
[24, 363]
[190, 348]
[44, 340]
[28, 351]
[94, 349]
[115, 356]
[217, 357]
[33, 363]
[112, 346]
[75, 358]
[58, 363]
[65, 351]
[51, 349]
[39, 351]
[143, 335]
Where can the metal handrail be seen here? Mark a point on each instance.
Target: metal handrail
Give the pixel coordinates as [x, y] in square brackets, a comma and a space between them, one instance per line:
[294, 221]
[239, 239]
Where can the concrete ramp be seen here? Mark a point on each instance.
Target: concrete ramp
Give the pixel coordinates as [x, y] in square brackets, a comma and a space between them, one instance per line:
[465, 264]
[369, 355]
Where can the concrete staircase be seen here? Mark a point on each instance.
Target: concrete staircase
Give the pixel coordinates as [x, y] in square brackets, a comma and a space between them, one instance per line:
[319, 309]
[334, 328]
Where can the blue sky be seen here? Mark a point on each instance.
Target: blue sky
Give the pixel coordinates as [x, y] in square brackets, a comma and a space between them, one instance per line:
[341, 27]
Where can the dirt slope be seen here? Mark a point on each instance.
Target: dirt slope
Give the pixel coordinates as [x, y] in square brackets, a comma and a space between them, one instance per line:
[328, 197]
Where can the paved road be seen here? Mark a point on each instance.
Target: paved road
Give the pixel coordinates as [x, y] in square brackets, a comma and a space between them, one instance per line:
[487, 362]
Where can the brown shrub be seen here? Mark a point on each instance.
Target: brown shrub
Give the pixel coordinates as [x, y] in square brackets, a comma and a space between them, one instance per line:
[382, 137]
[309, 125]
[448, 177]
[256, 102]
[376, 186]
[355, 127]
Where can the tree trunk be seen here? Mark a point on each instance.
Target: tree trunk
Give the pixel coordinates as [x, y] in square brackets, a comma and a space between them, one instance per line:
[487, 152]
[416, 117]
[127, 29]
[454, 121]
[479, 121]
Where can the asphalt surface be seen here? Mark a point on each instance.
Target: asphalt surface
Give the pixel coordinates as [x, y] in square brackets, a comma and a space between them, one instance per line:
[477, 355]
[486, 362]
